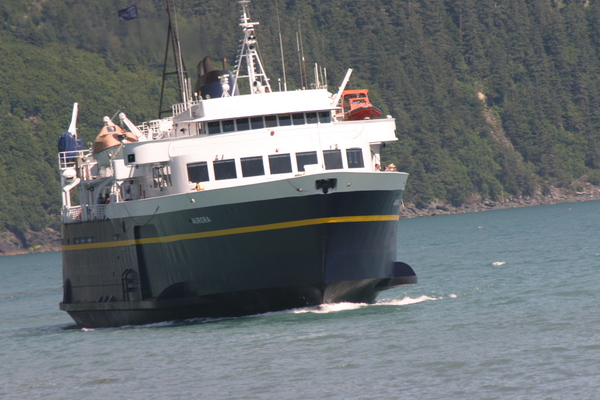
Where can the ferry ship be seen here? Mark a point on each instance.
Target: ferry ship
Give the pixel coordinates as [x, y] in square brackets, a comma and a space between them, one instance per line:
[236, 204]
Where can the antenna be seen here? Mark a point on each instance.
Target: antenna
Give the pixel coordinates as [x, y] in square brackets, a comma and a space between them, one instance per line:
[180, 71]
[303, 66]
[299, 61]
[281, 48]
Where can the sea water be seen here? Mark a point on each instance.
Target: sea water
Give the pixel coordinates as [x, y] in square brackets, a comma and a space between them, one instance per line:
[506, 308]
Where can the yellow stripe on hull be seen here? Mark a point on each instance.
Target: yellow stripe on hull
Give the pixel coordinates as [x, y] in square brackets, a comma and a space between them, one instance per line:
[233, 231]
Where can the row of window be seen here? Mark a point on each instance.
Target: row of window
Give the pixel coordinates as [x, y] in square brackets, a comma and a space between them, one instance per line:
[267, 121]
[278, 164]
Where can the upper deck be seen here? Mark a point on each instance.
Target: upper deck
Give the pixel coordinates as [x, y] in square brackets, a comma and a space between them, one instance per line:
[218, 139]
[255, 105]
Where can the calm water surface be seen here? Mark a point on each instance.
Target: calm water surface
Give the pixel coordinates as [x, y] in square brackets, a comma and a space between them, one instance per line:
[506, 308]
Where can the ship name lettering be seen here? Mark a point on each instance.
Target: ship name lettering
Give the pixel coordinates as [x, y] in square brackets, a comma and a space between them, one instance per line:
[200, 220]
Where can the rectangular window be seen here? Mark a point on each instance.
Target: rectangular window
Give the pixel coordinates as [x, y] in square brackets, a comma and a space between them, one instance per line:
[306, 158]
[285, 120]
[228, 125]
[213, 127]
[280, 163]
[298, 119]
[311, 118]
[270, 121]
[242, 124]
[197, 172]
[224, 169]
[333, 159]
[252, 166]
[324, 117]
[257, 122]
[355, 158]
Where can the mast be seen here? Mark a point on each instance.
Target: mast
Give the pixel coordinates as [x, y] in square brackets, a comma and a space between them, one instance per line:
[257, 79]
[180, 70]
[301, 60]
[281, 49]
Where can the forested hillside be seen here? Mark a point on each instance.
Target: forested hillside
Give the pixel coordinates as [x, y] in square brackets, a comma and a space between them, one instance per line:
[492, 98]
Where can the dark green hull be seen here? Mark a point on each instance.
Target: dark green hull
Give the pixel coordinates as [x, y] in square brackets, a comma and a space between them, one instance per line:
[231, 260]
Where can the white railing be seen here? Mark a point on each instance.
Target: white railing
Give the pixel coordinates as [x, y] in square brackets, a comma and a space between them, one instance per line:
[83, 213]
[181, 107]
[144, 129]
[66, 159]
[71, 214]
[157, 128]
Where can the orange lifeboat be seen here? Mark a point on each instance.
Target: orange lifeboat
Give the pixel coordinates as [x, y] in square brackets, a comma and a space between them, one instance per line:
[356, 105]
[110, 136]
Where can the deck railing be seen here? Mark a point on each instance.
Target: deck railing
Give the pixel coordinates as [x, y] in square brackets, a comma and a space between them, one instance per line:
[84, 213]
[66, 159]
[181, 107]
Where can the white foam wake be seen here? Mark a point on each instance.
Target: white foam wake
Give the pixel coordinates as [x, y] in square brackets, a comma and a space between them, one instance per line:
[406, 301]
[337, 307]
[330, 308]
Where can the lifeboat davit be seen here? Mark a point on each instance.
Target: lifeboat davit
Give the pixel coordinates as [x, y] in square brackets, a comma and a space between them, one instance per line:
[356, 105]
[108, 143]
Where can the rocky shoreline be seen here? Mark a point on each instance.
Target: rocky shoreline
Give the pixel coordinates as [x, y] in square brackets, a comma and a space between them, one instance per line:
[33, 242]
[555, 196]
[49, 239]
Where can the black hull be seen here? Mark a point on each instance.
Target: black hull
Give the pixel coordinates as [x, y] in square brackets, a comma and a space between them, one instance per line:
[233, 260]
[225, 305]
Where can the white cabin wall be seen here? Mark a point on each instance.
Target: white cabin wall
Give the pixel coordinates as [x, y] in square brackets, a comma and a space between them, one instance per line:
[147, 152]
[120, 170]
[259, 142]
[382, 130]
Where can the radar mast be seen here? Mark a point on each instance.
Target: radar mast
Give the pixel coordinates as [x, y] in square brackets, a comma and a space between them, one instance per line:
[248, 54]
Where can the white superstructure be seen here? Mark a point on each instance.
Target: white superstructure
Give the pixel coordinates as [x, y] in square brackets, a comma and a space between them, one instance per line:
[223, 142]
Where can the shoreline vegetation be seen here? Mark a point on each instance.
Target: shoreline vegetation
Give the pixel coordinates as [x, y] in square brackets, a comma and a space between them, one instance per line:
[48, 239]
[489, 98]
[554, 196]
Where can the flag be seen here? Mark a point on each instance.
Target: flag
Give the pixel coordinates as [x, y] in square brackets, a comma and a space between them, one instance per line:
[128, 13]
